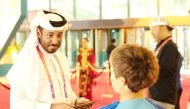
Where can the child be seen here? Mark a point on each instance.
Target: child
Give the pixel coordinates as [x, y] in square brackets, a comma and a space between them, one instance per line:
[133, 68]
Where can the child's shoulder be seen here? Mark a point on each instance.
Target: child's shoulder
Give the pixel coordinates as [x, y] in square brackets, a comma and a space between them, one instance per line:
[110, 106]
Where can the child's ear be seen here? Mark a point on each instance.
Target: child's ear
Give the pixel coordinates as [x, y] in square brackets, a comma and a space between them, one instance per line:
[122, 80]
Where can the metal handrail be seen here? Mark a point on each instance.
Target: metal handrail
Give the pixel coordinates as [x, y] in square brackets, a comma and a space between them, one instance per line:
[16, 27]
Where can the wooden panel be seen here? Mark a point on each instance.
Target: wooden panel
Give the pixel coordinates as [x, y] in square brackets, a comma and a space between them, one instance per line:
[127, 23]
[121, 23]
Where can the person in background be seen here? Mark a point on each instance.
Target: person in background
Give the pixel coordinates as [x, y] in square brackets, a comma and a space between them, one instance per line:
[40, 78]
[133, 68]
[109, 50]
[86, 70]
[164, 91]
[179, 87]
[111, 47]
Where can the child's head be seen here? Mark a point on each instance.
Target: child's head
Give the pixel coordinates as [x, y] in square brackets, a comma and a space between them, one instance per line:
[133, 66]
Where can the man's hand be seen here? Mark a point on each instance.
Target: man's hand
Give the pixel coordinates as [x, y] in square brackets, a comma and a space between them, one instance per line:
[83, 103]
[82, 99]
[60, 106]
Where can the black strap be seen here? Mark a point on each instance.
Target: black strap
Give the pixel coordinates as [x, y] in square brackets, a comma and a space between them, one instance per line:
[155, 105]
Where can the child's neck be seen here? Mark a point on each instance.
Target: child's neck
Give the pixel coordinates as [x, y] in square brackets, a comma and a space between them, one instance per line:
[127, 95]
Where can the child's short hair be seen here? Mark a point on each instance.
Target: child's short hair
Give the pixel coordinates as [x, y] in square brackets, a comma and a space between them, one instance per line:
[136, 64]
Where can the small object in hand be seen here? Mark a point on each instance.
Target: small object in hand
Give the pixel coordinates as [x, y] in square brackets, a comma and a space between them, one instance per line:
[84, 105]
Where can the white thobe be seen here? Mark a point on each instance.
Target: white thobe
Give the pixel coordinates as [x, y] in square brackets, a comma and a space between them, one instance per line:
[30, 87]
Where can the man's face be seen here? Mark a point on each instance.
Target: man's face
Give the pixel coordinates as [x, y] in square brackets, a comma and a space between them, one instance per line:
[50, 39]
[156, 32]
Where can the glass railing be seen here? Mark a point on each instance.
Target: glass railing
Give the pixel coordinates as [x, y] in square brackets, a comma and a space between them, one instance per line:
[9, 14]
[12, 14]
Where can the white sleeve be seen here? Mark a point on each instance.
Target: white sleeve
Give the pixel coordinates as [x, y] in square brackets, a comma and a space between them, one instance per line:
[43, 105]
[72, 94]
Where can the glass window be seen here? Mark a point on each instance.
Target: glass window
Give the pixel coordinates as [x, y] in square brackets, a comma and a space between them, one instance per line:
[63, 48]
[115, 33]
[186, 49]
[167, 7]
[72, 46]
[11, 53]
[8, 18]
[149, 40]
[114, 9]
[182, 40]
[143, 8]
[67, 7]
[87, 9]
[174, 7]
[140, 36]
[38, 4]
[101, 46]
[20, 39]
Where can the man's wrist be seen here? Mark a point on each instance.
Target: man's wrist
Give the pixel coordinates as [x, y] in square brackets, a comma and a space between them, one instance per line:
[75, 102]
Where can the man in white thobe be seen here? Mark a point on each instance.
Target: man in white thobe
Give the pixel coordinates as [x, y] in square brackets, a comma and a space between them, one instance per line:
[40, 78]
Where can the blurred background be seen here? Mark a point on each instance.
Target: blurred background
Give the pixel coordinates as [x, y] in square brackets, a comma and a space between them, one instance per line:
[100, 21]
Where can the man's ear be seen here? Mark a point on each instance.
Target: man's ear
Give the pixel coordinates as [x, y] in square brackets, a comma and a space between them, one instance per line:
[39, 33]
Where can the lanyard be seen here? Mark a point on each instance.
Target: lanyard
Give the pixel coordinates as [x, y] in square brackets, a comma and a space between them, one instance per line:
[48, 74]
[158, 50]
[64, 85]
